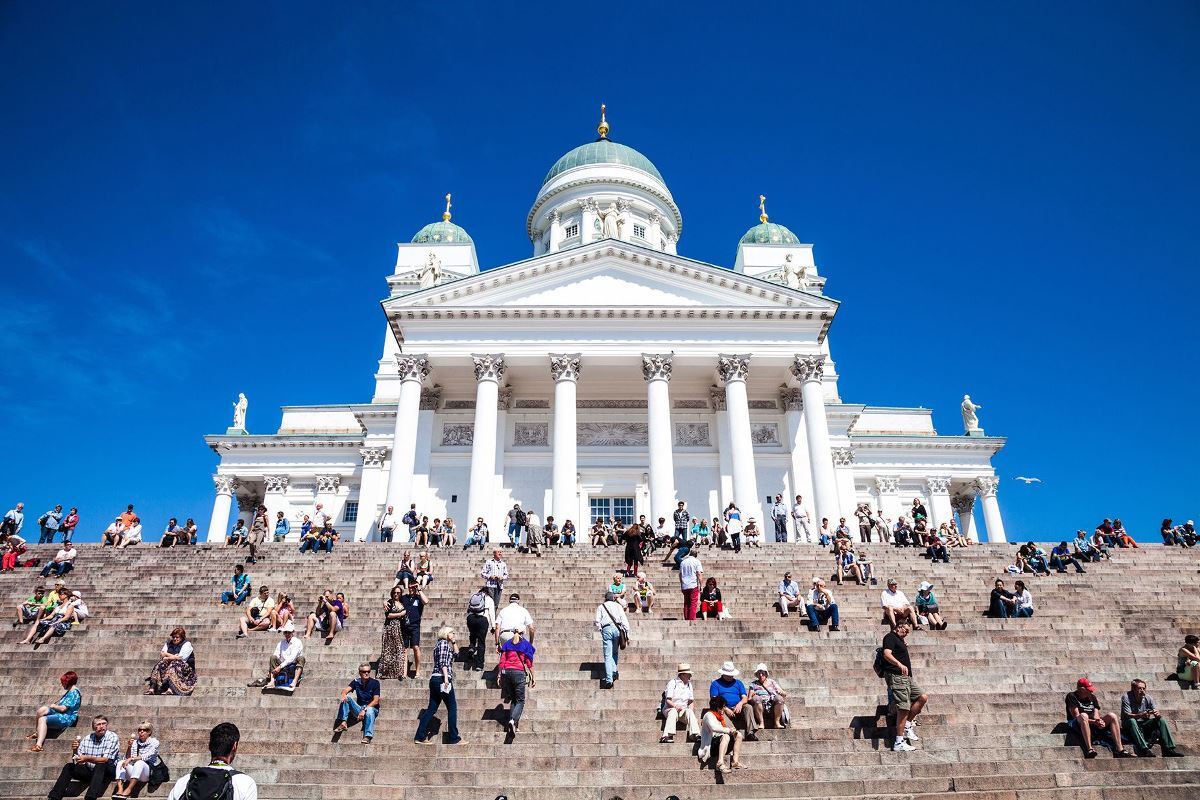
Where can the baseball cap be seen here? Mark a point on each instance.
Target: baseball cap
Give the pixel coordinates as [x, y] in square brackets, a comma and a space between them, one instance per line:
[1084, 683]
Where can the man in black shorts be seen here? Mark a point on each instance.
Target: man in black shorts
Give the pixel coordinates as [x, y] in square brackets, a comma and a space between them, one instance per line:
[410, 635]
[910, 698]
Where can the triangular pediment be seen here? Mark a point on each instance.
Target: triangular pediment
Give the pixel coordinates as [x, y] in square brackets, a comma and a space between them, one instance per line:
[608, 275]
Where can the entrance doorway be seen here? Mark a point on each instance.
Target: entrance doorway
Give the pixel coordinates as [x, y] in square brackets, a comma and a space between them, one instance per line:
[619, 508]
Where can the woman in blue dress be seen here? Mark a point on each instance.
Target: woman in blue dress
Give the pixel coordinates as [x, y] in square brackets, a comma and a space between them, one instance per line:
[59, 716]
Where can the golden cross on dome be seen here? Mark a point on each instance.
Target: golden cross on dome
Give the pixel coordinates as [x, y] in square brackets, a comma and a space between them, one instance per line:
[602, 128]
[446, 213]
[762, 208]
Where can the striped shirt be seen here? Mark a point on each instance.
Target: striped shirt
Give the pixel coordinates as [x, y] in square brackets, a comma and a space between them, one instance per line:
[443, 660]
[106, 746]
[147, 751]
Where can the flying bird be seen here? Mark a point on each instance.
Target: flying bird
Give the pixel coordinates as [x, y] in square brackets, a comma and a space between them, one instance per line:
[1028, 480]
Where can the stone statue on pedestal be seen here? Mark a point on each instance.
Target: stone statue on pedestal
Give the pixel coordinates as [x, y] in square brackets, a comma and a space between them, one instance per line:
[970, 418]
[791, 273]
[239, 412]
[609, 218]
[431, 273]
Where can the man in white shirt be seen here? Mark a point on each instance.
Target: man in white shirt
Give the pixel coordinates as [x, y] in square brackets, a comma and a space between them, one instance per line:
[610, 620]
[896, 608]
[288, 659]
[257, 616]
[387, 525]
[319, 517]
[495, 573]
[821, 607]
[801, 519]
[222, 747]
[514, 618]
[789, 594]
[691, 571]
[679, 702]
[64, 561]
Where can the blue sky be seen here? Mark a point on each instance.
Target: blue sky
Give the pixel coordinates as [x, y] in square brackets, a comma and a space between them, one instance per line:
[196, 201]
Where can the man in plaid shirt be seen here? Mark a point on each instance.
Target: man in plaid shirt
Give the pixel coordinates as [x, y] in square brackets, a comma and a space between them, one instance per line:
[93, 762]
[682, 521]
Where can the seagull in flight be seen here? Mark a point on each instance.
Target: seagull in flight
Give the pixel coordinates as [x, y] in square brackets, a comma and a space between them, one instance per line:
[1028, 480]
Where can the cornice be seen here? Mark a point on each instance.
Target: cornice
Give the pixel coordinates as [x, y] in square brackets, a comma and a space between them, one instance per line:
[290, 441]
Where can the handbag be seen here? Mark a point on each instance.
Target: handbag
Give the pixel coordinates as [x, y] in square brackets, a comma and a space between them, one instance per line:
[622, 634]
[159, 774]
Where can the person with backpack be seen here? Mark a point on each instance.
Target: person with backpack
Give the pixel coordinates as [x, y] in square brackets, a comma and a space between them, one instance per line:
[219, 780]
[516, 524]
[413, 520]
[893, 665]
[481, 618]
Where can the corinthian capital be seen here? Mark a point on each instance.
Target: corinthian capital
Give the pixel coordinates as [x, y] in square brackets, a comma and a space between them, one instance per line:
[938, 485]
[657, 365]
[588, 204]
[373, 456]
[565, 366]
[987, 485]
[963, 504]
[489, 366]
[843, 457]
[808, 368]
[733, 366]
[793, 399]
[885, 484]
[225, 484]
[275, 483]
[554, 216]
[413, 367]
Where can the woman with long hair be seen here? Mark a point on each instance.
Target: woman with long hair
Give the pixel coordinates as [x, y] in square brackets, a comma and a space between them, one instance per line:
[390, 661]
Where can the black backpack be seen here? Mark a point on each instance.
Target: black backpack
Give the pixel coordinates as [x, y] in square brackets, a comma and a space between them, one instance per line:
[878, 665]
[520, 516]
[210, 783]
[477, 604]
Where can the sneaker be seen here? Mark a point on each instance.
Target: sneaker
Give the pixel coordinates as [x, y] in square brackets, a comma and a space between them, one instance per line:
[258, 683]
[240, 635]
[1145, 752]
[834, 628]
[910, 733]
[666, 739]
[512, 728]
[1090, 754]
[288, 687]
[902, 746]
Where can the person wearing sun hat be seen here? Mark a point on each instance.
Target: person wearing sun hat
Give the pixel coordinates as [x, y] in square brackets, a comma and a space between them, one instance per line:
[739, 701]
[1084, 717]
[770, 696]
[679, 702]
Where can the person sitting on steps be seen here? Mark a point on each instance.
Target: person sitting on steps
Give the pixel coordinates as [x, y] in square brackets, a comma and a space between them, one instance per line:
[287, 662]
[1085, 719]
[896, 608]
[1141, 720]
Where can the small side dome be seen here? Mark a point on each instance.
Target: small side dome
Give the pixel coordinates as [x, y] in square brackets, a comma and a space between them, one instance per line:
[769, 233]
[441, 232]
[766, 232]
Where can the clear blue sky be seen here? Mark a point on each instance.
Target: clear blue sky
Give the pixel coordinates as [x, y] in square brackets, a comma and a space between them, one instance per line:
[196, 201]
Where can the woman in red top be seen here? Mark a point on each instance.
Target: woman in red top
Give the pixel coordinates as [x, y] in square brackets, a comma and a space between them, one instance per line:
[516, 662]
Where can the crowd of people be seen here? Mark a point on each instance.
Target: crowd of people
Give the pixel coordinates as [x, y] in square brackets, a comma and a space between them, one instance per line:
[735, 712]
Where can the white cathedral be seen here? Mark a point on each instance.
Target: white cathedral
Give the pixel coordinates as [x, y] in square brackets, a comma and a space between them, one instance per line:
[604, 376]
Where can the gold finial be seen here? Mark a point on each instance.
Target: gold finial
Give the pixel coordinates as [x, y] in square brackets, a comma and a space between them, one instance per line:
[446, 213]
[762, 208]
[602, 128]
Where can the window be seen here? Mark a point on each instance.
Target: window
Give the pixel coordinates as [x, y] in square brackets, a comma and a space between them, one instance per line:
[571, 230]
[619, 508]
[639, 231]
[351, 512]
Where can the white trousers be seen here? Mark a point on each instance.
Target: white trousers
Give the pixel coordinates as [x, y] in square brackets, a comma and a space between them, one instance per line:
[672, 721]
[802, 524]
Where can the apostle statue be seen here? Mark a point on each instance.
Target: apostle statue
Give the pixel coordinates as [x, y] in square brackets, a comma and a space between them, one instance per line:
[239, 412]
[431, 273]
[791, 273]
[970, 418]
[608, 220]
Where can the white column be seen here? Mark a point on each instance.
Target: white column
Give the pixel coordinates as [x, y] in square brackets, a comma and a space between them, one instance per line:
[809, 370]
[274, 500]
[733, 369]
[890, 507]
[991, 508]
[843, 476]
[564, 369]
[716, 396]
[939, 500]
[964, 506]
[495, 514]
[656, 369]
[801, 468]
[370, 505]
[555, 236]
[413, 370]
[489, 371]
[654, 236]
[218, 526]
[587, 223]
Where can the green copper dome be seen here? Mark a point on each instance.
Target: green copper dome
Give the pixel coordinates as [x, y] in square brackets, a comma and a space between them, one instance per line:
[437, 232]
[603, 151]
[769, 233]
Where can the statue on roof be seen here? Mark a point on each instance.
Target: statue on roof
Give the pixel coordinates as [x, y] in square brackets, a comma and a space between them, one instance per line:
[431, 273]
[610, 219]
[239, 412]
[791, 273]
[970, 418]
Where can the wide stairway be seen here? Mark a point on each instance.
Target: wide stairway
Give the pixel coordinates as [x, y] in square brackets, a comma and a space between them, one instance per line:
[992, 729]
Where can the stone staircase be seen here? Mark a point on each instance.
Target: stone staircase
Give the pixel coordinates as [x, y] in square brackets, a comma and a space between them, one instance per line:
[991, 731]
